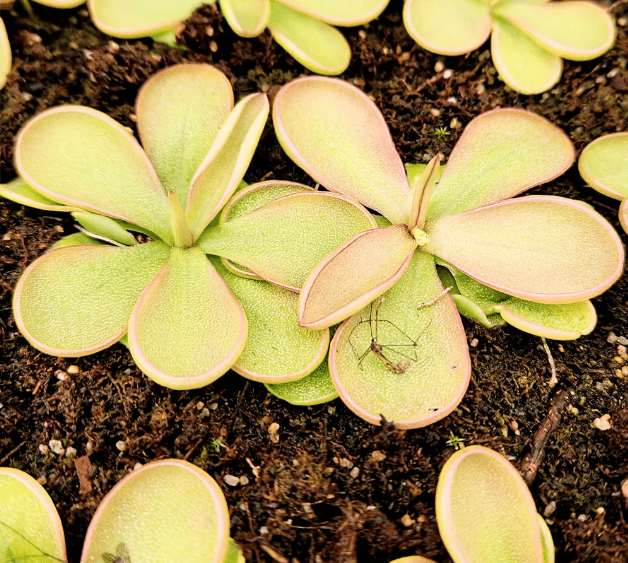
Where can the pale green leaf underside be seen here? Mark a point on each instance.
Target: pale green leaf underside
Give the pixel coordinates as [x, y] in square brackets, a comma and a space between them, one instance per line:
[452, 27]
[104, 227]
[354, 274]
[283, 240]
[179, 113]
[437, 368]
[414, 172]
[547, 542]
[604, 165]
[234, 553]
[470, 310]
[5, 54]
[574, 30]
[313, 389]
[484, 297]
[355, 12]
[484, 510]
[521, 62]
[529, 147]
[223, 168]
[316, 45]
[20, 192]
[162, 510]
[539, 248]
[277, 348]
[83, 158]
[623, 214]
[26, 508]
[338, 136]
[187, 329]
[140, 18]
[75, 239]
[78, 300]
[247, 18]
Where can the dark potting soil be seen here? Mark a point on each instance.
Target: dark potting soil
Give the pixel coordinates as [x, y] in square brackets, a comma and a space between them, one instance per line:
[303, 501]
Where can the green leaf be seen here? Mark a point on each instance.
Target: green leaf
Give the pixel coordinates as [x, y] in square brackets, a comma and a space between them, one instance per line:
[81, 157]
[313, 43]
[234, 553]
[282, 241]
[558, 322]
[338, 136]
[179, 113]
[579, 31]
[75, 239]
[5, 54]
[20, 192]
[539, 248]
[313, 389]
[426, 347]
[604, 165]
[413, 559]
[623, 214]
[103, 227]
[414, 171]
[549, 555]
[469, 309]
[247, 18]
[76, 301]
[277, 349]
[529, 147]
[142, 18]
[522, 63]
[484, 511]
[187, 329]
[61, 3]
[160, 511]
[225, 165]
[422, 192]
[351, 13]
[453, 27]
[354, 274]
[30, 527]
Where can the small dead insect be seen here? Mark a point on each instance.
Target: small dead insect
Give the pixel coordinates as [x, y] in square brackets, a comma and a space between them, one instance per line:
[122, 555]
[406, 349]
[432, 301]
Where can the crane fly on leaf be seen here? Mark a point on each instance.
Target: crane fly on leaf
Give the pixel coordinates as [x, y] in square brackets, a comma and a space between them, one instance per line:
[122, 555]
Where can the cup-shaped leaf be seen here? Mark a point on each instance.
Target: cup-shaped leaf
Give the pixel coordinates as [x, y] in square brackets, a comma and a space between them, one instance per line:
[402, 360]
[77, 301]
[340, 13]
[574, 30]
[158, 513]
[539, 248]
[247, 18]
[277, 349]
[521, 62]
[283, 240]
[484, 510]
[338, 136]
[187, 329]
[30, 527]
[141, 18]
[223, 168]
[315, 44]
[529, 147]
[604, 165]
[313, 389]
[20, 192]
[354, 274]
[81, 157]
[179, 113]
[454, 27]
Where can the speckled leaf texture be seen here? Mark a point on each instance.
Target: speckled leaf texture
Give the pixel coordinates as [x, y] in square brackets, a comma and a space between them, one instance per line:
[178, 136]
[247, 18]
[484, 510]
[83, 158]
[355, 12]
[343, 142]
[540, 248]
[187, 329]
[78, 300]
[283, 240]
[29, 523]
[161, 511]
[20, 192]
[140, 18]
[437, 366]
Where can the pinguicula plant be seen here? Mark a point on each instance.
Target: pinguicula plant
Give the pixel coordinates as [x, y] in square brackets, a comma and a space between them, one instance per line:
[402, 352]
[604, 166]
[156, 513]
[185, 316]
[486, 514]
[5, 54]
[529, 38]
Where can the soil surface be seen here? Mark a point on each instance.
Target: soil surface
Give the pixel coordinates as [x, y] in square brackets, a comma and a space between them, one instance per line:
[303, 502]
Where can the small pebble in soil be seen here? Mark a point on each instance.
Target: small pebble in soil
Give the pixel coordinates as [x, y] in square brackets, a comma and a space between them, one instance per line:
[406, 520]
[61, 375]
[344, 462]
[612, 338]
[474, 343]
[455, 124]
[550, 509]
[200, 405]
[244, 480]
[355, 472]
[42, 480]
[603, 422]
[56, 447]
[232, 480]
[448, 74]
[378, 456]
[624, 488]
[273, 431]
[263, 531]
[121, 445]
[70, 451]
[73, 370]
[583, 517]
[600, 510]
[439, 66]
[43, 449]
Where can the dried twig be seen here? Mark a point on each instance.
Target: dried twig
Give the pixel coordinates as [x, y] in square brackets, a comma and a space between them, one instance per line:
[13, 451]
[554, 380]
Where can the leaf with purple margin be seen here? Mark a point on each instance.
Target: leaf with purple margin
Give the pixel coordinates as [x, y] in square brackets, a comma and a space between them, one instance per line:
[333, 12]
[247, 18]
[20, 192]
[604, 165]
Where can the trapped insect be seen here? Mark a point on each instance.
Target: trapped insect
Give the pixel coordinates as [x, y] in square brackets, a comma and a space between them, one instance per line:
[122, 555]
